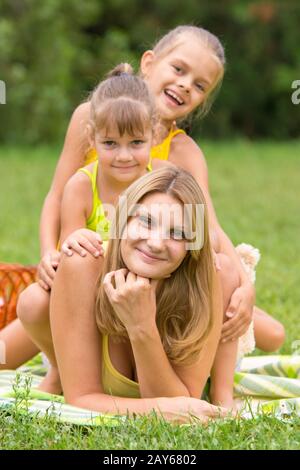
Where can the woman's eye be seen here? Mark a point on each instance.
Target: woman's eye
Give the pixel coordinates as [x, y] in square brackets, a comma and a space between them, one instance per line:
[145, 220]
[178, 234]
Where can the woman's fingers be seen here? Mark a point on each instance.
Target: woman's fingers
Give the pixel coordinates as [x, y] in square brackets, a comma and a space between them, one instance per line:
[213, 411]
[43, 285]
[131, 278]
[120, 278]
[107, 284]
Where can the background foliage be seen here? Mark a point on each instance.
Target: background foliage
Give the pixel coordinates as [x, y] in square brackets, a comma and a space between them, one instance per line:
[53, 52]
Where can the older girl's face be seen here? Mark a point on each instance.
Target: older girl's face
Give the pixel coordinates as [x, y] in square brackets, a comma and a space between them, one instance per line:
[153, 243]
[182, 79]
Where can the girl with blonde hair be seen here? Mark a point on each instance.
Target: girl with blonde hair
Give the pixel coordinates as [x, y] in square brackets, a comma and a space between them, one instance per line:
[158, 310]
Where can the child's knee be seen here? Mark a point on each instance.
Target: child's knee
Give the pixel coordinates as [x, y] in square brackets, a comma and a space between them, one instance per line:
[230, 278]
[33, 304]
[276, 337]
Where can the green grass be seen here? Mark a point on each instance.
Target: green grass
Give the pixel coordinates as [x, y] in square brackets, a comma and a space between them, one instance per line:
[255, 189]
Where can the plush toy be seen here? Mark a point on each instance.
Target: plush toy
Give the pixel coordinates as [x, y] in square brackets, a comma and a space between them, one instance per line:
[249, 256]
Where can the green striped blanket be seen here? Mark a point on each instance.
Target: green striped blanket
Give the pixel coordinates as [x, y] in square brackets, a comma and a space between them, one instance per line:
[262, 384]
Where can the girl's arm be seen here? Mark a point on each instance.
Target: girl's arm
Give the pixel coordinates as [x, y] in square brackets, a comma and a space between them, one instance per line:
[73, 209]
[76, 204]
[78, 349]
[186, 154]
[71, 158]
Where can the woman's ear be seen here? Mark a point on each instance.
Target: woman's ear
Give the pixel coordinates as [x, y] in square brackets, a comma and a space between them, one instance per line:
[147, 62]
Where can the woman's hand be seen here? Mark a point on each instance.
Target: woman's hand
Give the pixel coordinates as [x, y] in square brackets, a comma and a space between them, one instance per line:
[239, 312]
[133, 298]
[216, 260]
[83, 241]
[47, 269]
[189, 410]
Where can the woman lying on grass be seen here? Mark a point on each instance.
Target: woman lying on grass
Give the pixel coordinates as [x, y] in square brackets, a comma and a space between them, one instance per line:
[158, 312]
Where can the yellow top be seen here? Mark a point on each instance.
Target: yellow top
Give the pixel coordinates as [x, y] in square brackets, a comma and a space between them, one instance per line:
[97, 220]
[160, 151]
[114, 383]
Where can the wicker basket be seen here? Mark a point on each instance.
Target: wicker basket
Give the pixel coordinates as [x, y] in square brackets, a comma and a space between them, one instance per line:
[13, 279]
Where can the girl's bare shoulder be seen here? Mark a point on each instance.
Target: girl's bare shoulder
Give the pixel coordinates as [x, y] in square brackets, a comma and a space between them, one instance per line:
[80, 181]
[186, 153]
[82, 111]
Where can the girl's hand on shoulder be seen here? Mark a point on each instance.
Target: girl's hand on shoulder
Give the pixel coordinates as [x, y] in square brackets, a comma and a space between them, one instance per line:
[83, 241]
[132, 297]
[239, 312]
[47, 269]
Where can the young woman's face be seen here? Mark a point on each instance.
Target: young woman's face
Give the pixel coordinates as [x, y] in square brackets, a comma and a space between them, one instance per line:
[182, 79]
[153, 243]
[123, 158]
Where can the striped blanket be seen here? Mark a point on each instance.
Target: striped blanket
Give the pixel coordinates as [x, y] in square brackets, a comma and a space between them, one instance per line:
[263, 384]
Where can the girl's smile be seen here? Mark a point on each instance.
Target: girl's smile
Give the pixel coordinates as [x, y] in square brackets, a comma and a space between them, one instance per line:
[182, 79]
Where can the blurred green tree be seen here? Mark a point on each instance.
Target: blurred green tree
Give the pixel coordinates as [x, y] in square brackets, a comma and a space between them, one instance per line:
[54, 52]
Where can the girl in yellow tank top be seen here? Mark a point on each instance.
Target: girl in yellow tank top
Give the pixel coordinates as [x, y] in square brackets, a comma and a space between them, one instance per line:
[124, 154]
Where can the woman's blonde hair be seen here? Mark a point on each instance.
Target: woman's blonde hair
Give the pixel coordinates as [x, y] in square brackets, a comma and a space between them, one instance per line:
[122, 101]
[173, 38]
[184, 301]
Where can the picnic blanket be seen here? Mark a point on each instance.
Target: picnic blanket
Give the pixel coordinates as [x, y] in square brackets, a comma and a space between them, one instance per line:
[263, 384]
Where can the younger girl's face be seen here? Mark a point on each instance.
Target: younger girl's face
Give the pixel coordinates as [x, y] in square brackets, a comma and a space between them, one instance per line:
[182, 79]
[153, 243]
[123, 158]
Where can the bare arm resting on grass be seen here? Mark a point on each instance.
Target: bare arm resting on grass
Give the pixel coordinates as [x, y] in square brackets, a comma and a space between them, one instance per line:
[78, 349]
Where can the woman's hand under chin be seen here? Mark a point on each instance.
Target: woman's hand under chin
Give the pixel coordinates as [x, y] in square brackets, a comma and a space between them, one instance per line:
[133, 298]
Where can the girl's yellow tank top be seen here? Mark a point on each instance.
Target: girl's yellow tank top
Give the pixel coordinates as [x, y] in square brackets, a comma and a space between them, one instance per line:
[113, 382]
[160, 151]
[97, 220]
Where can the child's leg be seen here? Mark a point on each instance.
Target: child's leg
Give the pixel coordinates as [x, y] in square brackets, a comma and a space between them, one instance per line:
[222, 373]
[16, 346]
[269, 333]
[33, 311]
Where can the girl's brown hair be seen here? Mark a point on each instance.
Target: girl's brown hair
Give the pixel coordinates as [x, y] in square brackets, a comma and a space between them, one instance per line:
[184, 301]
[122, 101]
